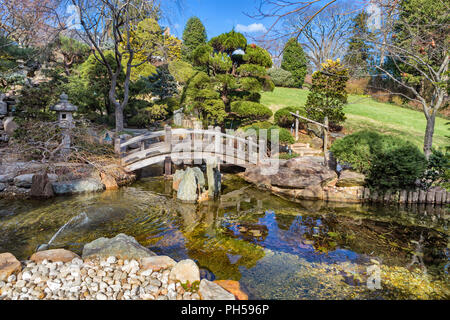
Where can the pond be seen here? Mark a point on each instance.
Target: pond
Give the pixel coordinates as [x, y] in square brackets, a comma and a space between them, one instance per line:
[275, 248]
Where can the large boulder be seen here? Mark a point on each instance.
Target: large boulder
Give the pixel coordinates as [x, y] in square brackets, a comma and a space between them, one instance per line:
[2, 186]
[24, 180]
[121, 246]
[349, 178]
[298, 173]
[6, 178]
[77, 186]
[8, 265]
[177, 178]
[185, 271]
[41, 186]
[188, 188]
[212, 291]
[109, 181]
[54, 255]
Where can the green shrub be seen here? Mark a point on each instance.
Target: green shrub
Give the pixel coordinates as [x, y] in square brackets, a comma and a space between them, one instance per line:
[328, 95]
[285, 136]
[285, 119]
[295, 61]
[437, 170]
[388, 162]
[181, 70]
[248, 111]
[281, 78]
[146, 113]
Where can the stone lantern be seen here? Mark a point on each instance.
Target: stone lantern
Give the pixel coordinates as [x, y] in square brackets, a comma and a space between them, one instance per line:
[65, 111]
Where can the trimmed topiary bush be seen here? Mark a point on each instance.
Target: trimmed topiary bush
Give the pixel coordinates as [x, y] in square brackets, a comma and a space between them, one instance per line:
[249, 111]
[285, 119]
[285, 136]
[281, 78]
[388, 162]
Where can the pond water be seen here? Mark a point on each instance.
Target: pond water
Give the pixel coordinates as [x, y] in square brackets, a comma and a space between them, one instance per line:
[275, 248]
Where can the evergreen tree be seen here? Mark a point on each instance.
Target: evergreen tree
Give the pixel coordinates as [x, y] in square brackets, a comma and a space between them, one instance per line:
[295, 61]
[358, 52]
[194, 35]
[238, 73]
[328, 96]
[162, 83]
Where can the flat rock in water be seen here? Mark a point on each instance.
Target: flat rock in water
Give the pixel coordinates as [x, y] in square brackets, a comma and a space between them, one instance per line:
[157, 263]
[54, 255]
[77, 186]
[212, 291]
[185, 271]
[121, 246]
[8, 265]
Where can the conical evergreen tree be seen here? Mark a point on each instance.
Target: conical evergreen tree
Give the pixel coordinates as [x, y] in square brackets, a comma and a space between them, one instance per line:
[194, 35]
[295, 61]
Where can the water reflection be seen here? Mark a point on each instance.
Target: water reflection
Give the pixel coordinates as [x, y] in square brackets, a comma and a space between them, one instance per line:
[267, 243]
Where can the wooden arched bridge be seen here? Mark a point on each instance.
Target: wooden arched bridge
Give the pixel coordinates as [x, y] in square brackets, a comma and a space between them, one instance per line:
[189, 146]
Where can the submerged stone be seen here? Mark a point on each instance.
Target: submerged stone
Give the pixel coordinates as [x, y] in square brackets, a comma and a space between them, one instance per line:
[121, 246]
[212, 291]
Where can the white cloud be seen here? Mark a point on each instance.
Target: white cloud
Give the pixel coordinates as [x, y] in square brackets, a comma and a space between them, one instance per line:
[252, 28]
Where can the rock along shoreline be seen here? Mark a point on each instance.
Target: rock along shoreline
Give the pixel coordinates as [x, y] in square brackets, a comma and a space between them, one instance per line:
[118, 269]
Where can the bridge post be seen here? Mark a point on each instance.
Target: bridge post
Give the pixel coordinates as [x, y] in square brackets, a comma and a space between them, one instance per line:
[325, 142]
[168, 142]
[296, 125]
[117, 142]
[218, 147]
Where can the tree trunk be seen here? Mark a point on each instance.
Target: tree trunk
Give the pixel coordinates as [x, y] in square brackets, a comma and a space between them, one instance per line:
[429, 132]
[119, 118]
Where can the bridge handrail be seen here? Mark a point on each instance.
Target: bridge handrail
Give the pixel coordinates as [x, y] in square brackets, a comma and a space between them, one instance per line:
[162, 133]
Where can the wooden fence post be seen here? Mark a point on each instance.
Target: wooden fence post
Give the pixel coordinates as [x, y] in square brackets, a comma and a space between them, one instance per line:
[168, 159]
[325, 142]
[296, 125]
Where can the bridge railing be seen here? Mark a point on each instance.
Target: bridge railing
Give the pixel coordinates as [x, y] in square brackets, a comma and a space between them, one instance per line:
[182, 144]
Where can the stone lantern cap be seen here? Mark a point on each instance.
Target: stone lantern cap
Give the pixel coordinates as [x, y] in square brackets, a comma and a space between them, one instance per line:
[64, 105]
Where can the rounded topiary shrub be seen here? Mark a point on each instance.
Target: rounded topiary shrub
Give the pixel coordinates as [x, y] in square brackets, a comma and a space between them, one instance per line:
[281, 78]
[249, 111]
[284, 135]
[388, 162]
[285, 119]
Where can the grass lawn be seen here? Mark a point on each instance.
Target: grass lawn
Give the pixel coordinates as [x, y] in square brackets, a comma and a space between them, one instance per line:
[365, 113]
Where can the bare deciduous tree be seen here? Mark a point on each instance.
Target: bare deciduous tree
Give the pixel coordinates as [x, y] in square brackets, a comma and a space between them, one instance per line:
[325, 37]
[418, 53]
[29, 22]
[108, 25]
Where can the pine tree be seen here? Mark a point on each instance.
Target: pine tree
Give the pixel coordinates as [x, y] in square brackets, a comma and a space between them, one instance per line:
[238, 73]
[295, 61]
[358, 52]
[328, 96]
[162, 84]
[194, 35]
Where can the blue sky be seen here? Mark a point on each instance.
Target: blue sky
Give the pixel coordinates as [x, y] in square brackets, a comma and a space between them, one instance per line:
[217, 16]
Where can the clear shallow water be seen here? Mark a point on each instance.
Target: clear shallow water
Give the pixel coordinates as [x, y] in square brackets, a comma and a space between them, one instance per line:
[275, 248]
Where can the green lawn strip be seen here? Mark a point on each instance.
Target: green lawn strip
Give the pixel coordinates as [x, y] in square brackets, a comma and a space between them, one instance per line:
[365, 113]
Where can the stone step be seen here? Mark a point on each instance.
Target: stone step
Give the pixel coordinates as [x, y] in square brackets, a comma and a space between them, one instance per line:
[300, 145]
